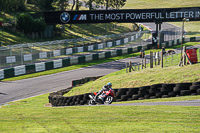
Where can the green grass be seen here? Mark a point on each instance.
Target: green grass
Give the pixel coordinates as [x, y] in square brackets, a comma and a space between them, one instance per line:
[184, 98]
[121, 79]
[148, 4]
[30, 115]
[192, 28]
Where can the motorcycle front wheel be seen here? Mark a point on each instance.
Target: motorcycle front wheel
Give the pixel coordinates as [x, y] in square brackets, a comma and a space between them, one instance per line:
[108, 100]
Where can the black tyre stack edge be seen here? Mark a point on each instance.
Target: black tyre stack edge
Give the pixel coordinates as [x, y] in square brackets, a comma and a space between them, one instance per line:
[127, 94]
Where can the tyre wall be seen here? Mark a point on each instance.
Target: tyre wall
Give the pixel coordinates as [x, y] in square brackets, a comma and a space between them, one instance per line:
[84, 80]
[129, 94]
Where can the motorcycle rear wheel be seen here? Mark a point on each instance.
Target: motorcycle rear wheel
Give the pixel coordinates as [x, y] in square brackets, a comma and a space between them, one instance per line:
[91, 102]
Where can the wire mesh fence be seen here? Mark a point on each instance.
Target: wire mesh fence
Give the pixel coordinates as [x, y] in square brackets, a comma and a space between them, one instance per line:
[172, 58]
[172, 34]
[22, 54]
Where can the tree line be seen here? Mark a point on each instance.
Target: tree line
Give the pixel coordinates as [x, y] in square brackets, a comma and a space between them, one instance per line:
[28, 23]
[52, 5]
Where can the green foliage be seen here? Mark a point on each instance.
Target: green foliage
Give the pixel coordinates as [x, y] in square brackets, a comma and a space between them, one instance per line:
[26, 23]
[117, 4]
[43, 4]
[39, 25]
[12, 5]
[61, 4]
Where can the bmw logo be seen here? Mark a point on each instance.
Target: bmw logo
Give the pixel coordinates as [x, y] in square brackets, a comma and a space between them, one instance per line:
[65, 17]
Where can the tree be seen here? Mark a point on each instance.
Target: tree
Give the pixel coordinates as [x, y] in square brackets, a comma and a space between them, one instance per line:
[2, 5]
[12, 5]
[27, 24]
[117, 4]
[48, 4]
[77, 5]
[63, 4]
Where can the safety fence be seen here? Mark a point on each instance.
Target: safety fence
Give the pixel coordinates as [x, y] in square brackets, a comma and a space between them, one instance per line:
[129, 94]
[29, 53]
[77, 59]
[171, 34]
[170, 58]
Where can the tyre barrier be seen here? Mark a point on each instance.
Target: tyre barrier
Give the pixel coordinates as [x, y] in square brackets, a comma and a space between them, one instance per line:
[129, 94]
[84, 80]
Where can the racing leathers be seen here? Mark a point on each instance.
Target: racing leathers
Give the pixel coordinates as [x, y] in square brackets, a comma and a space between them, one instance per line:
[101, 95]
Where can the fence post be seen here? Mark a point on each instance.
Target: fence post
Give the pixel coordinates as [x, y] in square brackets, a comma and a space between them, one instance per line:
[142, 64]
[155, 58]
[21, 55]
[151, 59]
[126, 67]
[145, 62]
[184, 57]
[158, 53]
[130, 66]
[162, 58]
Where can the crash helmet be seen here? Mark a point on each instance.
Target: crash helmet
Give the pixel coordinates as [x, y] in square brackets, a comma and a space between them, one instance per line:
[109, 84]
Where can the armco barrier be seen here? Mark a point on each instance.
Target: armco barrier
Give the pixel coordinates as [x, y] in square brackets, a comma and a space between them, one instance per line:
[43, 66]
[128, 94]
[66, 62]
[8, 73]
[30, 69]
[1, 74]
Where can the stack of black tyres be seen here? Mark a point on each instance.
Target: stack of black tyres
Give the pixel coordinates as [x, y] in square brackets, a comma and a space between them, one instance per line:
[195, 88]
[69, 101]
[167, 90]
[127, 94]
[155, 91]
[182, 89]
[121, 95]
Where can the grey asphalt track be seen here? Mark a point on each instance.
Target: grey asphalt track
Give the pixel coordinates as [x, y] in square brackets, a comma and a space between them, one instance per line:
[15, 90]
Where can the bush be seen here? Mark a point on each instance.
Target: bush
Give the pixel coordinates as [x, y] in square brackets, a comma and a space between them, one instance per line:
[27, 24]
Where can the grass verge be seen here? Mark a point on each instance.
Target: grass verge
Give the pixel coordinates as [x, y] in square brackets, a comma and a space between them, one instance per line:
[172, 99]
[30, 115]
[121, 79]
[148, 4]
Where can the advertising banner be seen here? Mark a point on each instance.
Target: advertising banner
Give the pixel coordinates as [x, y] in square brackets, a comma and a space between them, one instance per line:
[123, 16]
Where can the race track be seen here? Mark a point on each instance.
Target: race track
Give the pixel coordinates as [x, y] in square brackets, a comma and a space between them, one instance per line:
[15, 90]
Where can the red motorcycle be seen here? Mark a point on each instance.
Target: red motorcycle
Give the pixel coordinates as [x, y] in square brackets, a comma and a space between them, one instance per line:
[108, 97]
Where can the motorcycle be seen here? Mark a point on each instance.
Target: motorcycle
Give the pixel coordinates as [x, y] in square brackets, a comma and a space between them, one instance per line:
[107, 100]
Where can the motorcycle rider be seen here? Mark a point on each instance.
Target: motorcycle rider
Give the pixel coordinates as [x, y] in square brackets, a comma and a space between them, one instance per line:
[106, 87]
